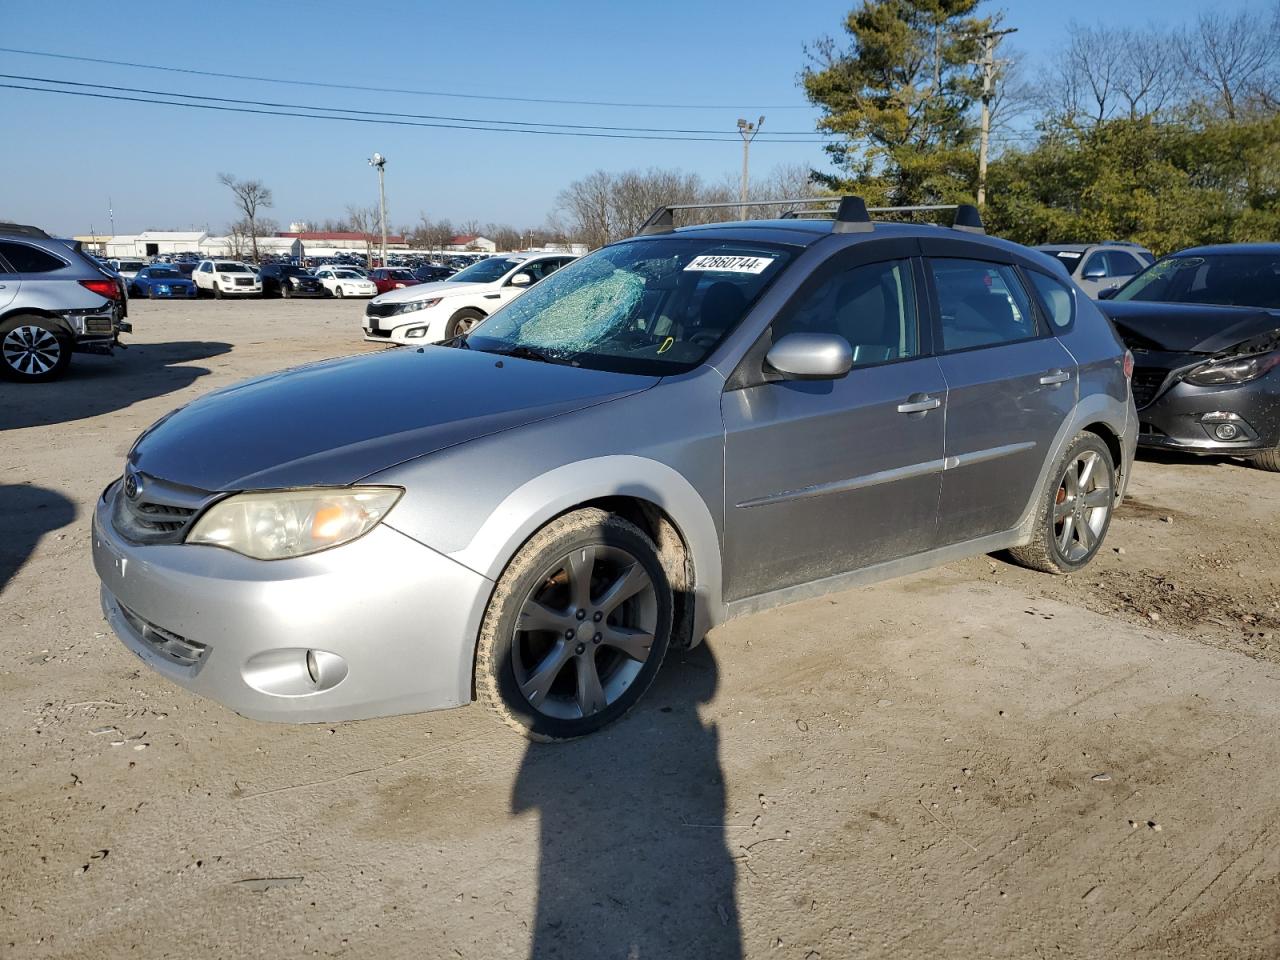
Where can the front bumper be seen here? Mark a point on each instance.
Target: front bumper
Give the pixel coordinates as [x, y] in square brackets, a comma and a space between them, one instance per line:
[231, 290]
[391, 624]
[395, 328]
[1186, 417]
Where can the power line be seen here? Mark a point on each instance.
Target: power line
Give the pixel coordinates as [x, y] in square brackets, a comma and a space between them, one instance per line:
[418, 93]
[382, 121]
[381, 113]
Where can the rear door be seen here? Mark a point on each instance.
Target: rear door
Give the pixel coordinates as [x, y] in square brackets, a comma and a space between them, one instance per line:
[1010, 386]
[9, 283]
[824, 477]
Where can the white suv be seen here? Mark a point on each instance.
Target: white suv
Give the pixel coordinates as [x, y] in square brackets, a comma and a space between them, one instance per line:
[437, 311]
[226, 278]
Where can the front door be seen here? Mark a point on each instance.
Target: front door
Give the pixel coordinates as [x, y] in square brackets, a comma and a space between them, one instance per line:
[1010, 387]
[825, 477]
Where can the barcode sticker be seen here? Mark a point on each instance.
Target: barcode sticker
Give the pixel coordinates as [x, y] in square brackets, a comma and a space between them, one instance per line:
[721, 264]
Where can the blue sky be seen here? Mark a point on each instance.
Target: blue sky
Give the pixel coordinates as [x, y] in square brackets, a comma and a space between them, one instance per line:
[66, 156]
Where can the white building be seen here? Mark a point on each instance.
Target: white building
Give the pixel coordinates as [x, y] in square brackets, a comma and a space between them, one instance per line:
[470, 243]
[154, 243]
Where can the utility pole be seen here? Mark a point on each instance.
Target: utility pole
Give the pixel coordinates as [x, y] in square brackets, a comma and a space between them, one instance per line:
[748, 131]
[111, 215]
[379, 161]
[989, 64]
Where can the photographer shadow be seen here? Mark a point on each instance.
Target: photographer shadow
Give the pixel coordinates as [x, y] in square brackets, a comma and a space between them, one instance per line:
[634, 861]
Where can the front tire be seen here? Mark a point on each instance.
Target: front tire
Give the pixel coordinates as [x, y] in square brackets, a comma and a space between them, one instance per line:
[33, 349]
[576, 629]
[337, 292]
[464, 321]
[284, 291]
[1075, 510]
[1269, 460]
[217, 293]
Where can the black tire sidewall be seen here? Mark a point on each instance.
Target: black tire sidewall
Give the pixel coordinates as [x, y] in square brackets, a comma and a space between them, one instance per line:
[1078, 446]
[466, 313]
[64, 347]
[552, 727]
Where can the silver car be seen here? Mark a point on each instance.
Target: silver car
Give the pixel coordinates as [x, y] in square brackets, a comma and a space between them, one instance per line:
[1100, 267]
[678, 429]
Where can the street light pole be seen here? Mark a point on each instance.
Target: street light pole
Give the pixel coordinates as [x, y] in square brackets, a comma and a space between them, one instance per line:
[379, 161]
[748, 131]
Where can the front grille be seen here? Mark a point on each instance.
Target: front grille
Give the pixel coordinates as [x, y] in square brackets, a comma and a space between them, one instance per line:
[381, 309]
[1147, 382]
[160, 513]
[244, 282]
[171, 646]
[377, 333]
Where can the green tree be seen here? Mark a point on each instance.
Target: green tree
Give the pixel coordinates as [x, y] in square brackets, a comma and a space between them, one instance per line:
[1167, 184]
[900, 95]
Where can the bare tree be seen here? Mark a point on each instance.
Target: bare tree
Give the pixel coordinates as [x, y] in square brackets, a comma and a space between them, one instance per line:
[1105, 73]
[250, 197]
[364, 221]
[1234, 58]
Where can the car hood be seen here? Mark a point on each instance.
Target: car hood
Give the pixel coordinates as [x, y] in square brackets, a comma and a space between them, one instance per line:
[1187, 327]
[334, 422]
[425, 291]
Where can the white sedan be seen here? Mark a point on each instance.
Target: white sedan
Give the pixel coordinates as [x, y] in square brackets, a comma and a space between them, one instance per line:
[343, 282]
[431, 312]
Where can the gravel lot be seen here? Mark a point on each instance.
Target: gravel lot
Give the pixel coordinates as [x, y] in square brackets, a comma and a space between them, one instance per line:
[975, 761]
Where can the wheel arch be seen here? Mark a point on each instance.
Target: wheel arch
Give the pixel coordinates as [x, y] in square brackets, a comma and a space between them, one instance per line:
[1112, 440]
[661, 501]
[49, 315]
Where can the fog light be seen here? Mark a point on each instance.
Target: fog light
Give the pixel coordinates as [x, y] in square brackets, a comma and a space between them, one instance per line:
[1226, 431]
[416, 332]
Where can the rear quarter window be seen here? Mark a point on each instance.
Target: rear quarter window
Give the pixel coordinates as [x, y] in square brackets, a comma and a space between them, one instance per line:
[25, 259]
[1057, 300]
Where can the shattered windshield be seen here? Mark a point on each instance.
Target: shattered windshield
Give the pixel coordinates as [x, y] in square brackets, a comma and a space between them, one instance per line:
[654, 306]
[1227, 279]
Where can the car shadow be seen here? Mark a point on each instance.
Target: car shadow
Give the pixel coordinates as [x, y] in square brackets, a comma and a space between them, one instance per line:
[27, 513]
[96, 385]
[633, 849]
[1158, 455]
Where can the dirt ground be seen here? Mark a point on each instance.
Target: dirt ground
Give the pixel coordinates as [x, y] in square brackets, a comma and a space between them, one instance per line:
[972, 762]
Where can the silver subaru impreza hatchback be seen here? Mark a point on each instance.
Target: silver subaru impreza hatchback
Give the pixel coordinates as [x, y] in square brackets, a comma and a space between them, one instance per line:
[678, 429]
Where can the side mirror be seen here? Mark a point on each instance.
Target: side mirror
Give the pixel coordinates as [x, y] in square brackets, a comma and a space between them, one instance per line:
[811, 356]
[1108, 293]
[1095, 273]
[521, 280]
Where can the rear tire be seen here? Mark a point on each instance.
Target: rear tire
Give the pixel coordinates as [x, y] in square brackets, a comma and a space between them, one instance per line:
[1270, 460]
[462, 322]
[1075, 509]
[33, 349]
[576, 629]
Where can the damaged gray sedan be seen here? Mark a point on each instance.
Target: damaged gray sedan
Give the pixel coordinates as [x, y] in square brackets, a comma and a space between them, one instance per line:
[681, 428]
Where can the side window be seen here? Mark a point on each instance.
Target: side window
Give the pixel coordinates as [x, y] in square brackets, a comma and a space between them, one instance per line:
[981, 304]
[536, 270]
[872, 306]
[1095, 266]
[1056, 296]
[26, 259]
[1122, 264]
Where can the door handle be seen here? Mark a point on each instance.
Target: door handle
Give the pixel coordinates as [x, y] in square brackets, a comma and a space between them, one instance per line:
[1054, 377]
[922, 405]
[492, 296]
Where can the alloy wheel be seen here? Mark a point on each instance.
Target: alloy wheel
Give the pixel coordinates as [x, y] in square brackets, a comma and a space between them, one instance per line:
[31, 350]
[1081, 506]
[584, 632]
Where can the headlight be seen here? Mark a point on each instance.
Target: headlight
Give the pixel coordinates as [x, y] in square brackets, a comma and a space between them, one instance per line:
[292, 523]
[412, 305]
[224, 278]
[1241, 370]
[416, 332]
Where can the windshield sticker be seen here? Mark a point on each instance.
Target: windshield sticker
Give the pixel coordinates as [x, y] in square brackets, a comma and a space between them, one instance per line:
[722, 264]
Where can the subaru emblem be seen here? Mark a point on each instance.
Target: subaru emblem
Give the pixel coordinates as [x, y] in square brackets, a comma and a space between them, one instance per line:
[132, 485]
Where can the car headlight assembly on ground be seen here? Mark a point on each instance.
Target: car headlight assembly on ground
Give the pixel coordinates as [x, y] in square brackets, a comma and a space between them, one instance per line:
[1239, 370]
[293, 523]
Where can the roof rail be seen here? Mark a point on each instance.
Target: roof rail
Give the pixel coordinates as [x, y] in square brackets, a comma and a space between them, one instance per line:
[850, 214]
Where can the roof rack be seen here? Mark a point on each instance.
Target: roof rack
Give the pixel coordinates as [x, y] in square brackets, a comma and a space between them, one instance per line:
[22, 230]
[849, 214]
